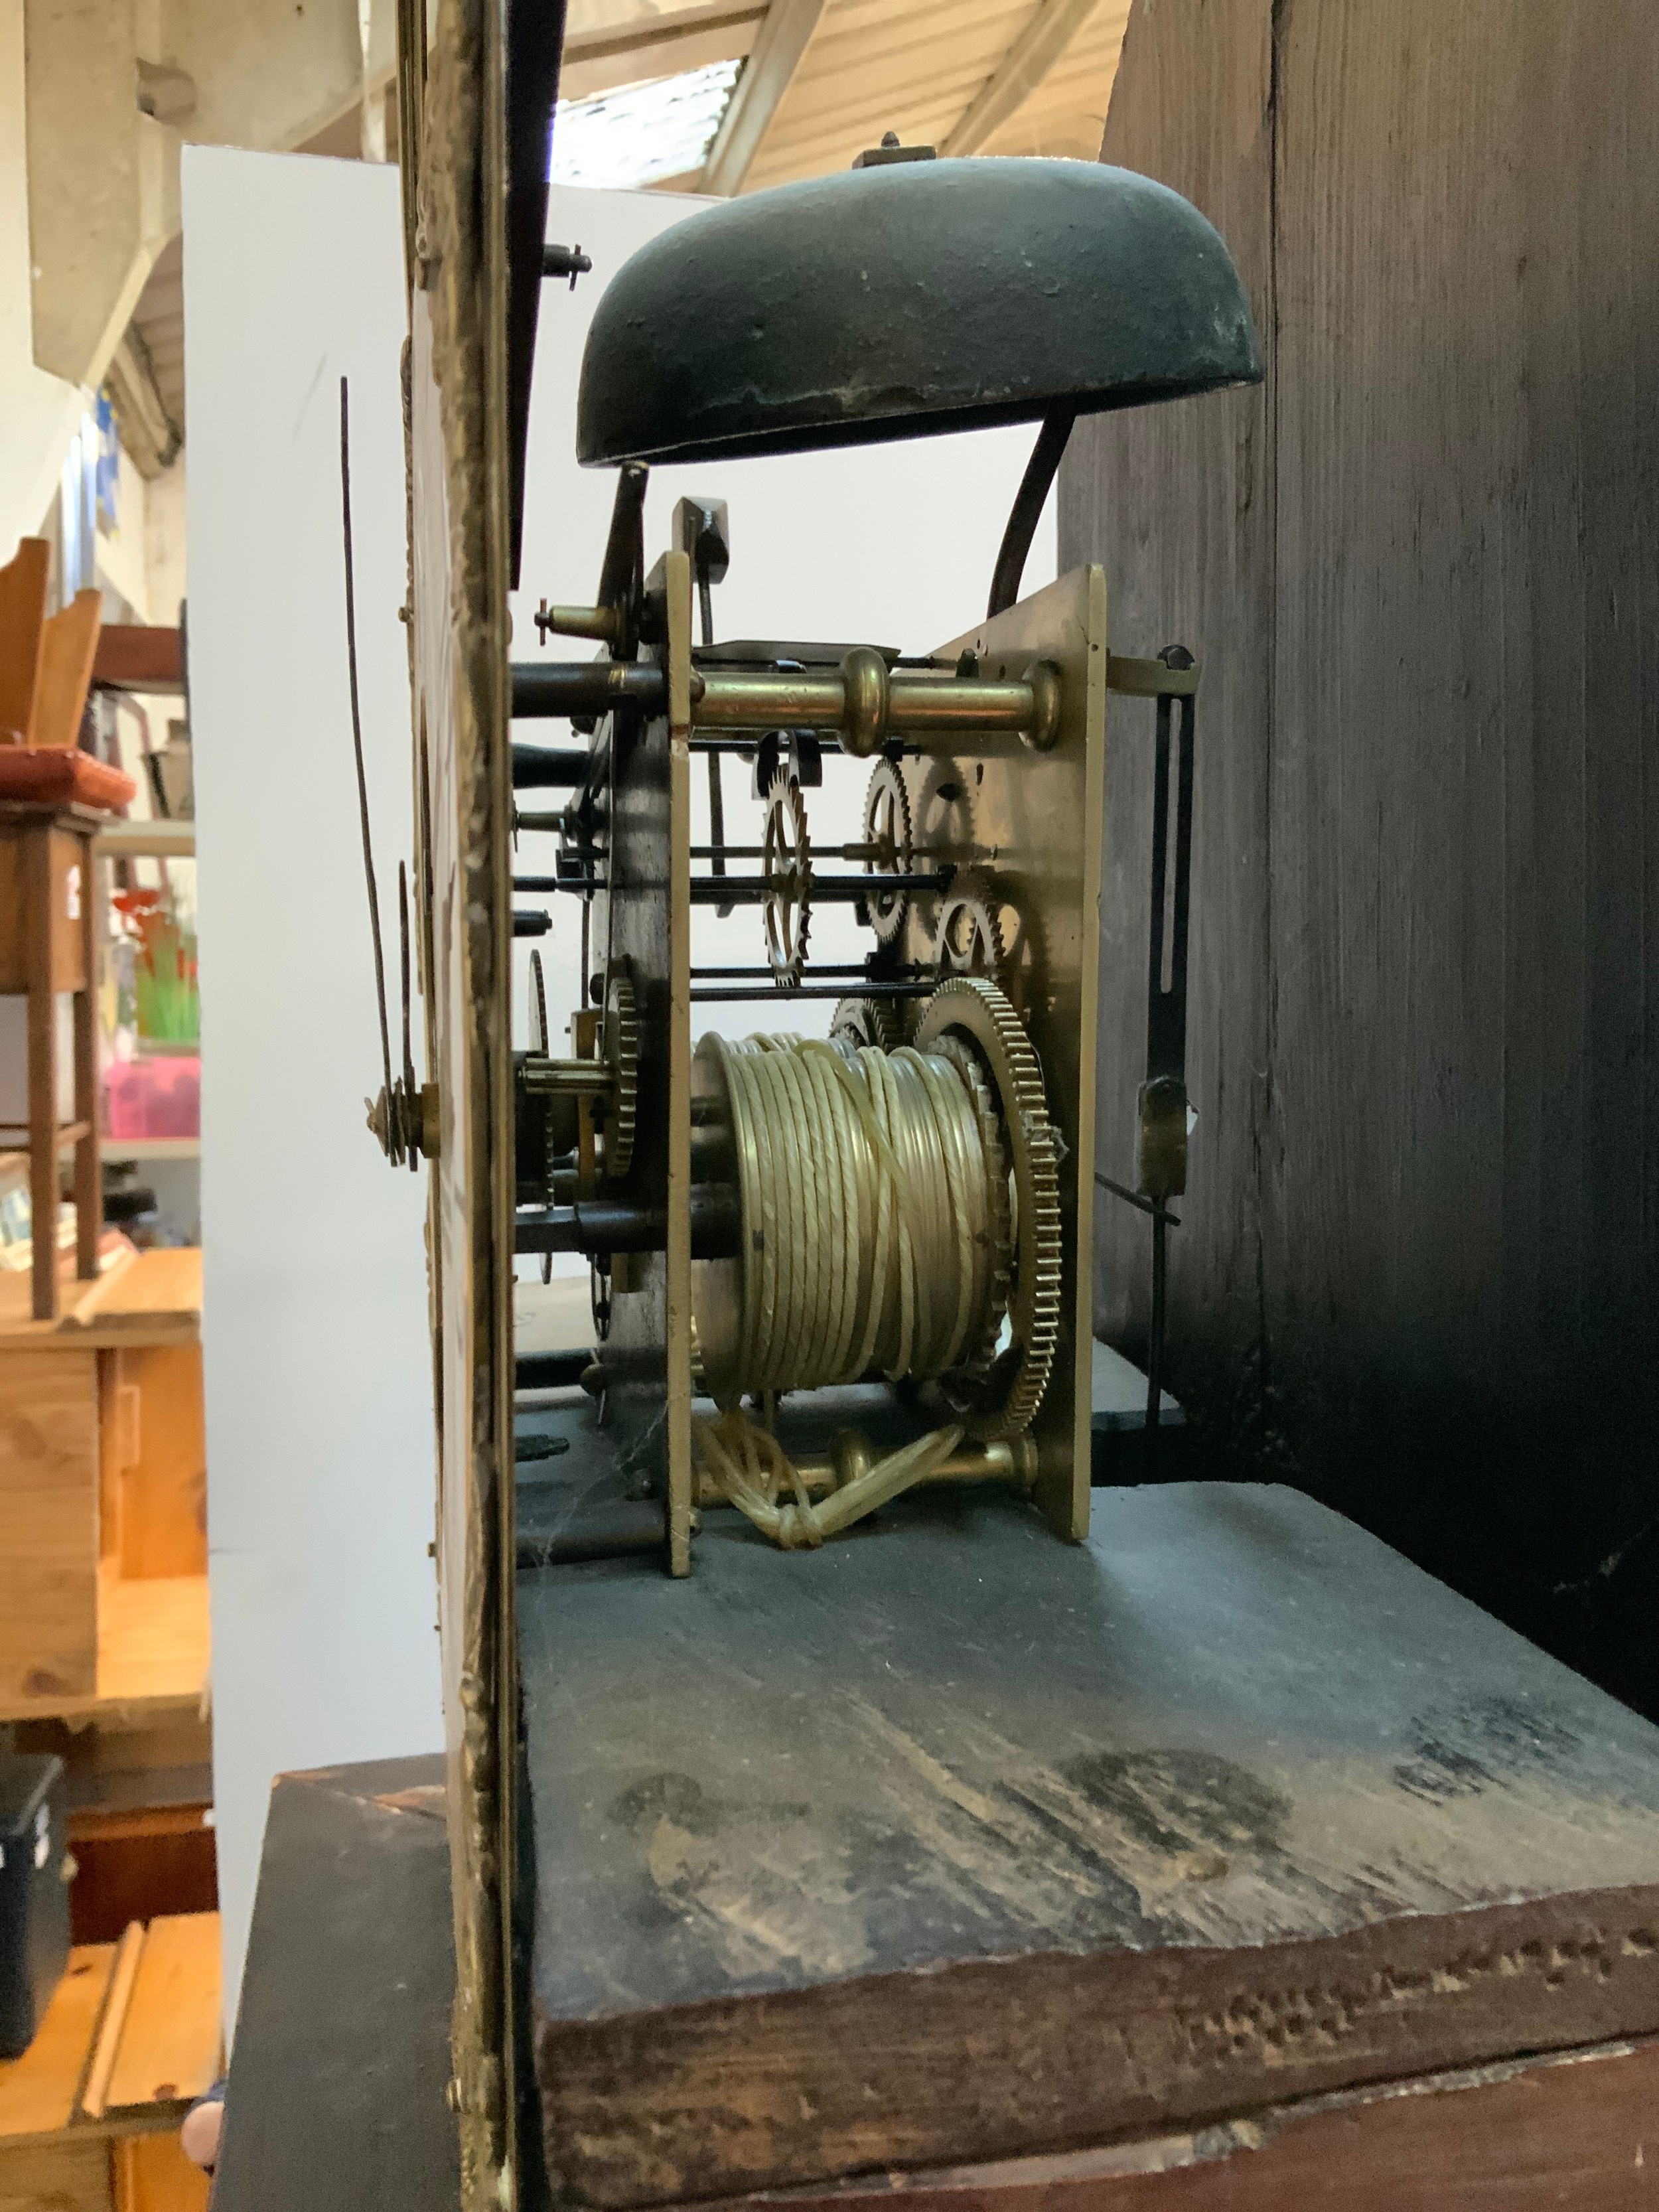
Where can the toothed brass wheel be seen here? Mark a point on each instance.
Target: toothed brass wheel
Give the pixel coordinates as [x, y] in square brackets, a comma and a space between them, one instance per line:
[619, 1048]
[969, 940]
[787, 865]
[863, 1022]
[974, 1010]
[887, 840]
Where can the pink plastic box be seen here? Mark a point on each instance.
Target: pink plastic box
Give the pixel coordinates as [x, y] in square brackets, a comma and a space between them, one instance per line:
[160, 1098]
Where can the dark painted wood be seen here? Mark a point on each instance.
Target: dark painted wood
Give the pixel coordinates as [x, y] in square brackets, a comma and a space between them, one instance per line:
[1428, 859]
[1561, 2134]
[950, 1842]
[1201, 122]
[337, 2090]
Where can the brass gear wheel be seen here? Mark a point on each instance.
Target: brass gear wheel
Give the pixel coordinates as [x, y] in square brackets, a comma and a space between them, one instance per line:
[875, 1022]
[975, 1365]
[786, 865]
[973, 1008]
[969, 940]
[619, 1046]
[887, 827]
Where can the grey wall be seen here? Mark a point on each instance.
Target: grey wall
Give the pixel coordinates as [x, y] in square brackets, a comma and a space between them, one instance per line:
[1419, 1264]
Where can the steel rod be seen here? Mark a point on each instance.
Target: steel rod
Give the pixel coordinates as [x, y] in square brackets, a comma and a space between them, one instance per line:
[905, 972]
[754, 890]
[720, 994]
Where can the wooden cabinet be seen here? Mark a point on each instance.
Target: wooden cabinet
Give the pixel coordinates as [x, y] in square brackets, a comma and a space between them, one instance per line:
[49, 1511]
[103, 1500]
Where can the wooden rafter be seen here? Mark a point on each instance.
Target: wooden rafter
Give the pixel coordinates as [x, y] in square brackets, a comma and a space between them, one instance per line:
[658, 44]
[1024, 67]
[781, 41]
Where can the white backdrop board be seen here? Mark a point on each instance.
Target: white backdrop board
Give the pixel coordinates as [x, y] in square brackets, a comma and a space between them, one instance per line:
[319, 1365]
[885, 545]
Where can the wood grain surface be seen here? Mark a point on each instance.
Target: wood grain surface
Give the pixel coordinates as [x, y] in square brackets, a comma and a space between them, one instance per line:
[954, 1842]
[37, 2091]
[1420, 1250]
[337, 2100]
[1568, 2133]
[456, 380]
[171, 2036]
[49, 1513]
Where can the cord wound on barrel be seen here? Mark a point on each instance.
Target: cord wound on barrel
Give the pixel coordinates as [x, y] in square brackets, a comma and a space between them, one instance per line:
[869, 1186]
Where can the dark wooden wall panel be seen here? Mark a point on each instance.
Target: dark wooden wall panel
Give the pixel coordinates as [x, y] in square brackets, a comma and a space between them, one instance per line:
[1201, 123]
[1428, 849]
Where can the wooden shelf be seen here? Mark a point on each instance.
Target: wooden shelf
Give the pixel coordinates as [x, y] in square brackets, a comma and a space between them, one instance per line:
[149, 1298]
[131, 2037]
[114, 1150]
[154, 840]
[153, 1654]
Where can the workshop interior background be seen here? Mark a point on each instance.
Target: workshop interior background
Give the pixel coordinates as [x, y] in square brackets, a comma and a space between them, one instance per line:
[1415, 1273]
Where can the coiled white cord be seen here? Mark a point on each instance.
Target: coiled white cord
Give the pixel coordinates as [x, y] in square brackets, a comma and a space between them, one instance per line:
[866, 1194]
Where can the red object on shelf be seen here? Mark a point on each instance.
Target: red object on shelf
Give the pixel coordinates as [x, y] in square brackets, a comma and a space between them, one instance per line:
[59, 775]
[160, 1098]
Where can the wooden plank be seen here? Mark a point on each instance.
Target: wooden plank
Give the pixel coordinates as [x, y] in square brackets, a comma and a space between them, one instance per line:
[154, 1650]
[1192, 106]
[23, 583]
[95, 2098]
[49, 1510]
[154, 1640]
[129, 840]
[1566, 2133]
[38, 2091]
[776, 55]
[139, 1298]
[163, 1480]
[953, 1841]
[165, 1861]
[343, 2052]
[35, 856]
[1443, 1197]
[88, 1175]
[158, 1289]
[170, 2041]
[1065, 116]
[1040, 47]
[58, 2177]
[458, 630]
[152, 2174]
[910, 68]
[657, 45]
[140, 657]
[68, 644]
[20, 1331]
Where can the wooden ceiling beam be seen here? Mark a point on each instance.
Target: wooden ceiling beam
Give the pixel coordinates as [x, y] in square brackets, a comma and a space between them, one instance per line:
[1033, 54]
[658, 44]
[779, 45]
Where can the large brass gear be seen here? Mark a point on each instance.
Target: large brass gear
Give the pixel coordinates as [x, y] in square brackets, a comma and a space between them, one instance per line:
[972, 1007]
[975, 1365]
[969, 940]
[786, 865]
[887, 829]
[619, 1047]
